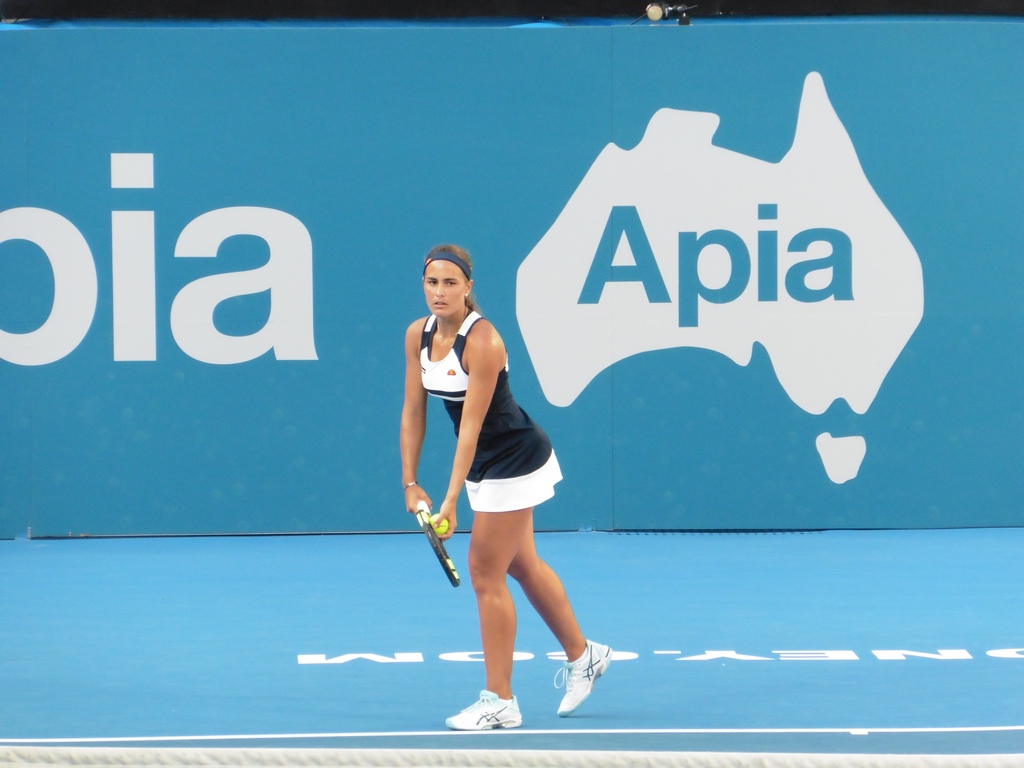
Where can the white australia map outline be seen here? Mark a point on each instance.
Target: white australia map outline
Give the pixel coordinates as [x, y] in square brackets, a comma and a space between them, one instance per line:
[677, 181]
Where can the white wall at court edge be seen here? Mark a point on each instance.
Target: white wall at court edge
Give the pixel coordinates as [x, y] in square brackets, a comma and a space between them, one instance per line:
[271, 756]
[736, 298]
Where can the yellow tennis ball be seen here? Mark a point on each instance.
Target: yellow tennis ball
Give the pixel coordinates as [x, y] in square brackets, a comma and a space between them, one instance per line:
[440, 528]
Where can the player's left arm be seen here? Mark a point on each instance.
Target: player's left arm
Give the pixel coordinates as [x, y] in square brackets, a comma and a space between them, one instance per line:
[483, 358]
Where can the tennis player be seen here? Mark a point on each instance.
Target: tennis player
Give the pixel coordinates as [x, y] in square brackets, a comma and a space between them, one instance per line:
[508, 467]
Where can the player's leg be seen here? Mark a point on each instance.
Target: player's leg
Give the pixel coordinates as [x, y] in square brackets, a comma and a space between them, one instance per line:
[493, 544]
[586, 661]
[546, 594]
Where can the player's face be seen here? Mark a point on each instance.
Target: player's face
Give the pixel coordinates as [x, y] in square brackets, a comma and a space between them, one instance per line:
[445, 288]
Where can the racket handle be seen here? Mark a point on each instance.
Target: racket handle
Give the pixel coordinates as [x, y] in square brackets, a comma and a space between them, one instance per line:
[422, 505]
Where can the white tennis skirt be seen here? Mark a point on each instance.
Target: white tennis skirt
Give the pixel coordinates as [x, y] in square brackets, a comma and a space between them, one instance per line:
[512, 493]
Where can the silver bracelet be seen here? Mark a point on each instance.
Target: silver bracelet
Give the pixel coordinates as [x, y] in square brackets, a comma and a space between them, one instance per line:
[407, 486]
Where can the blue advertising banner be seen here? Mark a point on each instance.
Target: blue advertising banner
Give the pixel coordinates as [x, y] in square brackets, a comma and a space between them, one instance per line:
[750, 275]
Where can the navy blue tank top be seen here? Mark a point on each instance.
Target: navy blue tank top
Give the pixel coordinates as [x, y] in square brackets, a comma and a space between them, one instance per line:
[510, 443]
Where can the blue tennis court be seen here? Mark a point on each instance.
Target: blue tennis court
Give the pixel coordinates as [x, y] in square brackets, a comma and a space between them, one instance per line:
[860, 642]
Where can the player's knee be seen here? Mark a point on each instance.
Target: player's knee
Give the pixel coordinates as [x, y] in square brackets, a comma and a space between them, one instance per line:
[524, 568]
[484, 573]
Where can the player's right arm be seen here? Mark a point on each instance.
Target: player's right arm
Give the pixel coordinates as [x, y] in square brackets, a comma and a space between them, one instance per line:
[414, 418]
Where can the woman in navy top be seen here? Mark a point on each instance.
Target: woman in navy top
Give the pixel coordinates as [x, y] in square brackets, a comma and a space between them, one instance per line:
[508, 467]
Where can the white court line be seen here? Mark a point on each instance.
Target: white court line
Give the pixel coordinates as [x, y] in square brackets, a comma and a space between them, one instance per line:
[519, 731]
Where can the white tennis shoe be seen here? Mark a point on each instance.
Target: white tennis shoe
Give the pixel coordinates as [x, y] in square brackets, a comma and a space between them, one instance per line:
[578, 676]
[489, 712]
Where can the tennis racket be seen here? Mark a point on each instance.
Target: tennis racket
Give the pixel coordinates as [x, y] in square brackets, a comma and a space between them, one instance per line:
[423, 517]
